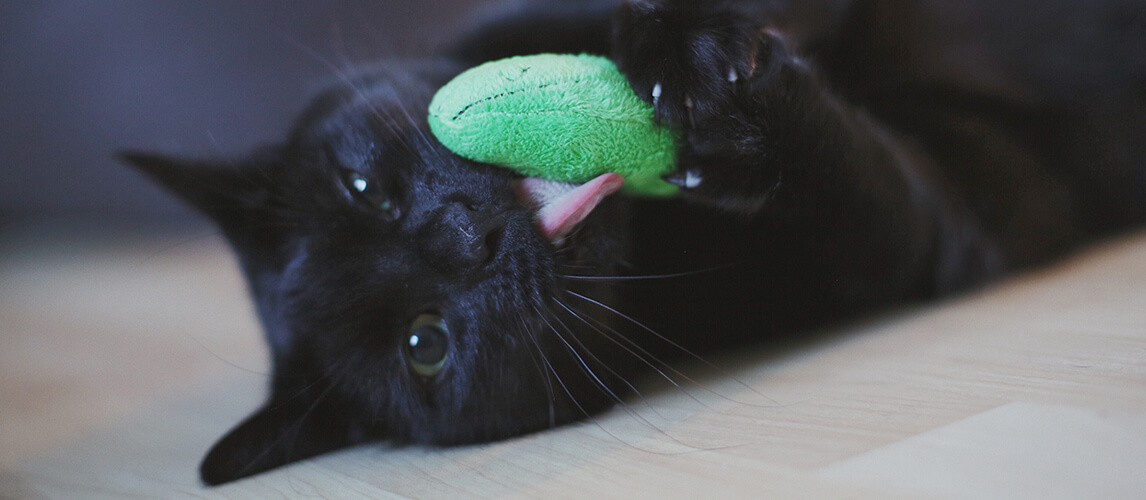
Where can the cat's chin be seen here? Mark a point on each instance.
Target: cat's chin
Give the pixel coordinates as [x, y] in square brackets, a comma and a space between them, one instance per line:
[561, 206]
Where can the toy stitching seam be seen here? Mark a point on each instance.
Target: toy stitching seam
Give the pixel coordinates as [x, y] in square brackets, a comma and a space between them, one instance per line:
[503, 94]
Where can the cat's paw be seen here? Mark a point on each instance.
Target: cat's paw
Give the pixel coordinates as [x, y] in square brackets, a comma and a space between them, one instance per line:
[689, 58]
[724, 180]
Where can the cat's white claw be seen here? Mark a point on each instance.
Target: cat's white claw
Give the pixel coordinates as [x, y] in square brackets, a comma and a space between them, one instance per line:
[688, 179]
[692, 179]
[656, 93]
[732, 76]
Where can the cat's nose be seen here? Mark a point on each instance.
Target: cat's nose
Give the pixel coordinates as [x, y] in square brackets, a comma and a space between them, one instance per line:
[466, 234]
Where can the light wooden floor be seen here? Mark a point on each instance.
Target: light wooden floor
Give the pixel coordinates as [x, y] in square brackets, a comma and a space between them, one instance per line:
[121, 362]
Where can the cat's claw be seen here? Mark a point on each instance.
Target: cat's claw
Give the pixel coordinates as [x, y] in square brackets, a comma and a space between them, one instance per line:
[688, 179]
[658, 90]
[689, 58]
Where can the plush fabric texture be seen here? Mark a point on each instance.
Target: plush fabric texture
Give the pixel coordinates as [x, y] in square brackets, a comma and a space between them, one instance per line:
[567, 118]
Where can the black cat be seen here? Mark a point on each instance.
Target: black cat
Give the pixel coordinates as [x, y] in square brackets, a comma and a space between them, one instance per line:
[838, 157]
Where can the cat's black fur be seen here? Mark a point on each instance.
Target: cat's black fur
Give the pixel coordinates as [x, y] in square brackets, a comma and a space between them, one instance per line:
[850, 155]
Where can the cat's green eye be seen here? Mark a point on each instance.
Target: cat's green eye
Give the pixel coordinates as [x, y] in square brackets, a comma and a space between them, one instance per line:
[427, 345]
[369, 192]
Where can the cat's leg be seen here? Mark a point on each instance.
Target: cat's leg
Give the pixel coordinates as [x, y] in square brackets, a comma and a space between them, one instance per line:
[857, 205]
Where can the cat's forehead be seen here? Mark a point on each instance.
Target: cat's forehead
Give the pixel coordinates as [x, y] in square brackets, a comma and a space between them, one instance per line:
[366, 123]
[373, 106]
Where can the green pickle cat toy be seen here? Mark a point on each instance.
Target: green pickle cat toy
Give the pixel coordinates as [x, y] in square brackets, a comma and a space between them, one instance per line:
[566, 118]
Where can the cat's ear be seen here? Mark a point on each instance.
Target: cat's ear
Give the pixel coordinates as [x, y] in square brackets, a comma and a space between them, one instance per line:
[221, 190]
[281, 432]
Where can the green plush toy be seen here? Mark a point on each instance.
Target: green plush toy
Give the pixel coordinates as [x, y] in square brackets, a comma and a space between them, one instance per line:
[568, 118]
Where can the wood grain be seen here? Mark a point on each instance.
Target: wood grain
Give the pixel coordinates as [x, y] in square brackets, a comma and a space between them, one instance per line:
[122, 361]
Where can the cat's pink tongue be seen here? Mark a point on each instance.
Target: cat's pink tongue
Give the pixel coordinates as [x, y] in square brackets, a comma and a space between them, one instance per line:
[560, 205]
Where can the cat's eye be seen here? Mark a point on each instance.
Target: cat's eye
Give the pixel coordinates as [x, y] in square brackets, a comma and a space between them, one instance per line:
[370, 193]
[427, 345]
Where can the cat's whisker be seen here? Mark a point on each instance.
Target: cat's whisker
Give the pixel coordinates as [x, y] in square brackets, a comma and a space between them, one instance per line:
[629, 410]
[437, 152]
[647, 276]
[390, 123]
[674, 370]
[575, 266]
[588, 415]
[528, 332]
[627, 383]
[589, 352]
[553, 370]
[723, 372]
[298, 423]
[294, 433]
[221, 358]
[302, 390]
[639, 355]
[581, 360]
[219, 150]
[343, 75]
[181, 243]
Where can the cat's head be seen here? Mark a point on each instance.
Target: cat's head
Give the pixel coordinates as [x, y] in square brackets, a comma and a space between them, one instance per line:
[407, 294]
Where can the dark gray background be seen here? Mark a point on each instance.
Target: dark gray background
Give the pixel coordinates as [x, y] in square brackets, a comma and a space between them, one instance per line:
[82, 79]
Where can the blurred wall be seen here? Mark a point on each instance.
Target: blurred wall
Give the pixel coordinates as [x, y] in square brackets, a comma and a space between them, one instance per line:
[82, 79]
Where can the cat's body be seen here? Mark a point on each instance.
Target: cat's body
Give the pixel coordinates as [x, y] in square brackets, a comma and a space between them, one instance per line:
[839, 157]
